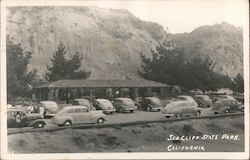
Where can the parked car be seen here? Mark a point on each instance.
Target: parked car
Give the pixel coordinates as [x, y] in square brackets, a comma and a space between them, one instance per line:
[83, 102]
[105, 105]
[17, 117]
[182, 105]
[124, 105]
[227, 105]
[50, 108]
[151, 104]
[203, 101]
[78, 114]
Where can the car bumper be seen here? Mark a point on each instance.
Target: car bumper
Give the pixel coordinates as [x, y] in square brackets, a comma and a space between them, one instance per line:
[156, 109]
[168, 114]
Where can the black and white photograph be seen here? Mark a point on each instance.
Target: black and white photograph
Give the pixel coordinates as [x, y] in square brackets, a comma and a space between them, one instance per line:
[133, 79]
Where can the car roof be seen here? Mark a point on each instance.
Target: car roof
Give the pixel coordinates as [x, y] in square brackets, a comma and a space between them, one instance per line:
[101, 100]
[123, 98]
[81, 99]
[74, 107]
[47, 102]
[16, 109]
[151, 98]
[184, 96]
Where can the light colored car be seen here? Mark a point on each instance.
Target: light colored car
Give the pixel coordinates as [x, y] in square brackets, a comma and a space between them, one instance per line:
[203, 100]
[124, 105]
[50, 108]
[83, 102]
[227, 105]
[182, 105]
[105, 105]
[76, 115]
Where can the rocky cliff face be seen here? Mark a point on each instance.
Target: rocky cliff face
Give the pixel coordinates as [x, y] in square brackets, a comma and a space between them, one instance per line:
[111, 41]
[222, 43]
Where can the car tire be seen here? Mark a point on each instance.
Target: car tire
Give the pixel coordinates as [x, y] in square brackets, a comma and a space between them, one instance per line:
[177, 116]
[167, 117]
[67, 123]
[120, 110]
[39, 125]
[227, 111]
[18, 118]
[100, 121]
[198, 113]
[149, 109]
[131, 111]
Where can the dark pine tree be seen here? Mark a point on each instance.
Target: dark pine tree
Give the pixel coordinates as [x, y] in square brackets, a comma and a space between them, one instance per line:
[19, 79]
[63, 68]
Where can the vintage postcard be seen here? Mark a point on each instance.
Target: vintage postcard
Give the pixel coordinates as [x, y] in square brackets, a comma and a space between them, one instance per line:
[135, 79]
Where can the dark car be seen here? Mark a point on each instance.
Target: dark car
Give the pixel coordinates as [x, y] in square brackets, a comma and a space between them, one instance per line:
[227, 105]
[17, 117]
[151, 104]
[124, 105]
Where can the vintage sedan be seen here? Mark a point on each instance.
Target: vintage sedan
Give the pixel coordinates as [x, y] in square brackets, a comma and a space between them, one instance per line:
[227, 105]
[182, 105]
[151, 104]
[203, 100]
[50, 108]
[105, 105]
[124, 105]
[83, 102]
[76, 115]
[17, 117]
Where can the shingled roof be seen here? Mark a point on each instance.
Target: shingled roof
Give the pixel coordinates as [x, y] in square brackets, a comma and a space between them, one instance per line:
[83, 83]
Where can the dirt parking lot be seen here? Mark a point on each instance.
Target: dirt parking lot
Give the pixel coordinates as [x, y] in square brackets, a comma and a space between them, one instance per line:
[151, 137]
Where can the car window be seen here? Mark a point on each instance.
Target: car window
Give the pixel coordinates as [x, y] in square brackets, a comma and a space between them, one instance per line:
[85, 110]
[70, 111]
[78, 110]
[75, 103]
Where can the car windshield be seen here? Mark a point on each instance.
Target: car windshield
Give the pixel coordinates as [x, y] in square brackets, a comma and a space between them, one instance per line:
[155, 100]
[105, 102]
[127, 101]
[81, 102]
[51, 104]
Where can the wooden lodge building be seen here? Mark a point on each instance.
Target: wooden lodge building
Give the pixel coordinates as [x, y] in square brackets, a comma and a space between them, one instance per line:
[69, 89]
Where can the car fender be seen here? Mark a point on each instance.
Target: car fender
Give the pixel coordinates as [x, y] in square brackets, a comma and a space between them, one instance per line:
[224, 108]
[33, 123]
[61, 120]
[96, 117]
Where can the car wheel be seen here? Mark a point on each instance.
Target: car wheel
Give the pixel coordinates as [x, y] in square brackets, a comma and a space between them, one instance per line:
[39, 125]
[167, 117]
[18, 118]
[131, 111]
[68, 123]
[177, 116]
[227, 111]
[110, 112]
[148, 109]
[198, 113]
[120, 110]
[100, 121]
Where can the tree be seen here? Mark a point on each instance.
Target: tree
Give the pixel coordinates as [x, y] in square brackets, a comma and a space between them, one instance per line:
[169, 65]
[63, 68]
[238, 84]
[19, 79]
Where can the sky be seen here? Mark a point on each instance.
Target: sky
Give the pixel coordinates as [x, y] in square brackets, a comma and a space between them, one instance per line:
[182, 15]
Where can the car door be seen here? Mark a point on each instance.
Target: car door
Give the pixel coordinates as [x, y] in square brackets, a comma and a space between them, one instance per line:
[86, 115]
[11, 121]
[77, 115]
